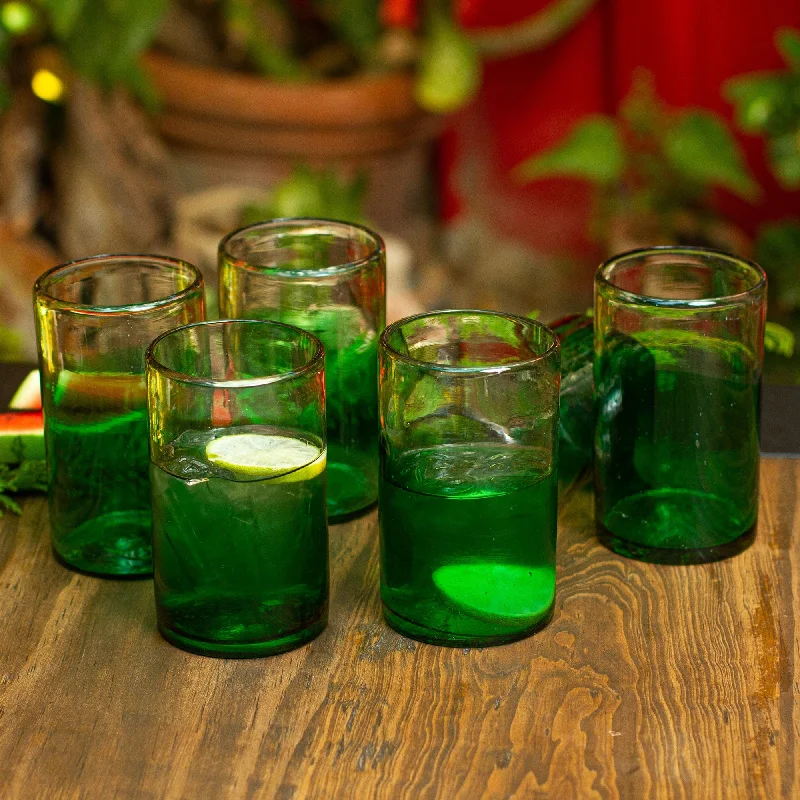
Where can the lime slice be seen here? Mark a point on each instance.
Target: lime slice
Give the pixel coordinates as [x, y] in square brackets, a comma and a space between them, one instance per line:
[259, 455]
[498, 592]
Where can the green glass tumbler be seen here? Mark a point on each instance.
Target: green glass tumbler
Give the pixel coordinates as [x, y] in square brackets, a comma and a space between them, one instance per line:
[678, 348]
[327, 278]
[95, 319]
[469, 479]
[237, 449]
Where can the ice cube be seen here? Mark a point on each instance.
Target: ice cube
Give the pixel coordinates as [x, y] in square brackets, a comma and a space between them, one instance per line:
[192, 439]
[192, 470]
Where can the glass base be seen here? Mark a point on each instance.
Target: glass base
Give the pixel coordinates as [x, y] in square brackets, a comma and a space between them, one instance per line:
[228, 649]
[431, 635]
[675, 526]
[115, 545]
[350, 491]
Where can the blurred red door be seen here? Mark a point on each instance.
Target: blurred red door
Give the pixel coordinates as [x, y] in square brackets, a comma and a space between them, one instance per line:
[528, 102]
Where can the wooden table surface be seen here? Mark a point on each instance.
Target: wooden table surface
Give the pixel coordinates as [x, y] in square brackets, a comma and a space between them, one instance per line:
[650, 682]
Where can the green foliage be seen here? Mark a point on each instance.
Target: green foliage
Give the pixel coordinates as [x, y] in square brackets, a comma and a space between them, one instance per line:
[700, 148]
[779, 340]
[28, 476]
[103, 39]
[64, 15]
[592, 151]
[762, 101]
[768, 103]
[310, 193]
[267, 54]
[778, 252]
[788, 43]
[18, 18]
[449, 72]
[356, 22]
[784, 153]
[653, 166]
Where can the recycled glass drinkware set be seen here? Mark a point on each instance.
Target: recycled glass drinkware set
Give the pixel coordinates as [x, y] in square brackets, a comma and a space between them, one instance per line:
[300, 408]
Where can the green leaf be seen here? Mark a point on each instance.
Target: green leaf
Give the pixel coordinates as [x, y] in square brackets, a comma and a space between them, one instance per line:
[449, 73]
[758, 99]
[139, 83]
[7, 504]
[700, 147]
[64, 15]
[787, 41]
[778, 339]
[31, 476]
[357, 23]
[268, 56]
[25, 477]
[642, 110]
[593, 151]
[784, 155]
[778, 252]
[108, 37]
[18, 17]
[299, 196]
[307, 193]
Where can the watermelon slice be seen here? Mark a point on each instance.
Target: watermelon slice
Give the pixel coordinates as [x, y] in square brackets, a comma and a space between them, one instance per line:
[28, 395]
[21, 436]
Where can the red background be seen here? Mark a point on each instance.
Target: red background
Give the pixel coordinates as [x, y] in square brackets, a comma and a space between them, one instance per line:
[531, 101]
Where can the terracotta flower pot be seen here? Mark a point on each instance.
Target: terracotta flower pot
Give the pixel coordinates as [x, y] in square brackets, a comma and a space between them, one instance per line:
[231, 112]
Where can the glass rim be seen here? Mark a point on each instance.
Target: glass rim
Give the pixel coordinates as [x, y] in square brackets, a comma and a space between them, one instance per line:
[175, 265]
[553, 346]
[152, 362]
[602, 278]
[300, 223]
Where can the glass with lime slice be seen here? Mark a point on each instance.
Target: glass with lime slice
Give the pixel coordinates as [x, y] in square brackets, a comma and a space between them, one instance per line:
[95, 318]
[327, 278]
[238, 472]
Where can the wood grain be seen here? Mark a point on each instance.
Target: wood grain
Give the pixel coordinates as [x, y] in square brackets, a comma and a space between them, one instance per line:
[651, 682]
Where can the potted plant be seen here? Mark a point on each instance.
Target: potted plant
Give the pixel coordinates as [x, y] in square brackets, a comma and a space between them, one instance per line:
[768, 104]
[319, 80]
[241, 89]
[654, 170]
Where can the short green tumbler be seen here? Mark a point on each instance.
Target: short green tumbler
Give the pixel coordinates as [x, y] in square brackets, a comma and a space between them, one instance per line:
[237, 449]
[469, 481]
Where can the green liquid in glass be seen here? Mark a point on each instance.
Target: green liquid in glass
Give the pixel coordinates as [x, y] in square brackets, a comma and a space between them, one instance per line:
[468, 536]
[99, 489]
[241, 565]
[351, 386]
[676, 466]
[576, 412]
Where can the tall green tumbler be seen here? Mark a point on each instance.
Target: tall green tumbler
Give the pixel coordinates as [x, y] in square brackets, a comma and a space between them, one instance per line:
[327, 278]
[95, 319]
[678, 348]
